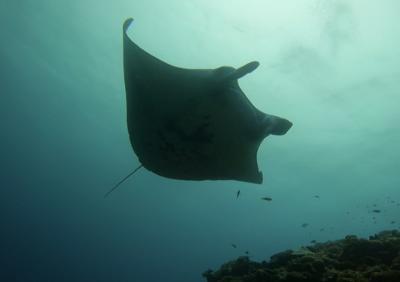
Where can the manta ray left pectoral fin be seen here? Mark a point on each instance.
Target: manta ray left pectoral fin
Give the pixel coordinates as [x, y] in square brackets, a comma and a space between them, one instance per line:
[127, 23]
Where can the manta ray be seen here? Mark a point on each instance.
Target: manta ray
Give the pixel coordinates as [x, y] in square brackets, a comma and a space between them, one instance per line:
[193, 124]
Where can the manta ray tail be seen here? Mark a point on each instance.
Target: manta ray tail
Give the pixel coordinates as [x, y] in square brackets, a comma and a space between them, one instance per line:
[123, 180]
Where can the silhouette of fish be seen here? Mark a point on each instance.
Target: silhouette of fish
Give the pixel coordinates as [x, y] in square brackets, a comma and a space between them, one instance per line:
[268, 199]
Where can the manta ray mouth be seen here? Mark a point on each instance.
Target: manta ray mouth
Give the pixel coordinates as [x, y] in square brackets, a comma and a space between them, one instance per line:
[280, 126]
[276, 125]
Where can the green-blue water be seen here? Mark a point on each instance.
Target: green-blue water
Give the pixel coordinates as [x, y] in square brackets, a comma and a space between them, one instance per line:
[331, 67]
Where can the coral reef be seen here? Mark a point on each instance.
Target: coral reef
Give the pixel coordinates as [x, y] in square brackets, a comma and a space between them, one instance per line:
[352, 259]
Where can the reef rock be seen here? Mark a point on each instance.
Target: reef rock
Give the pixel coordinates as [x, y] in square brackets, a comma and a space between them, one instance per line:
[351, 259]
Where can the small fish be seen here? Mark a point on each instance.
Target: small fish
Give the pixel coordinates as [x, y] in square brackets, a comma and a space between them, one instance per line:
[233, 246]
[316, 196]
[246, 252]
[304, 225]
[237, 194]
[313, 241]
[322, 229]
[392, 222]
[267, 199]
[376, 211]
